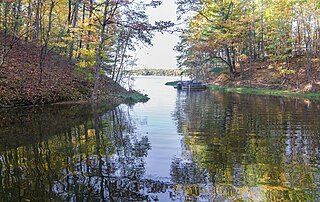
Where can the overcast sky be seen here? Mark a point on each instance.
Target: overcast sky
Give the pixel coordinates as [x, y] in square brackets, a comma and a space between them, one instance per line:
[161, 54]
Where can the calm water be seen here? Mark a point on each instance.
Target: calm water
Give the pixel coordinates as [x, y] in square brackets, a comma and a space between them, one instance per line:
[179, 146]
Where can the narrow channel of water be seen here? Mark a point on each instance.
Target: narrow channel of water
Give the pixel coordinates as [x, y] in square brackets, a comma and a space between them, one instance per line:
[179, 146]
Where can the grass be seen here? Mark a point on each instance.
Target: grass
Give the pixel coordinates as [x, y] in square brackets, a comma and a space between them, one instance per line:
[135, 96]
[256, 91]
[172, 83]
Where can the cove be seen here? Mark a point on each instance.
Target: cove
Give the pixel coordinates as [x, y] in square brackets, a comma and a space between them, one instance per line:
[178, 146]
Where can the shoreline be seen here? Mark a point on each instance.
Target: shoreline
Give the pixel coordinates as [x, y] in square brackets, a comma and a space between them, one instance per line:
[130, 97]
[314, 96]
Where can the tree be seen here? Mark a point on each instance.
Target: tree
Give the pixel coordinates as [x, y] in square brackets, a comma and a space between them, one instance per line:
[278, 31]
[90, 33]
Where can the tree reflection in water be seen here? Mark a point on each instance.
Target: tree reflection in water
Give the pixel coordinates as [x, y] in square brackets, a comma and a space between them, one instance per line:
[253, 148]
[101, 159]
[246, 148]
[191, 181]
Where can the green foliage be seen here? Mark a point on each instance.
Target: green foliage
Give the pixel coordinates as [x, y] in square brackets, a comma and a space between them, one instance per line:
[87, 58]
[172, 83]
[135, 96]
[242, 32]
[277, 93]
[287, 71]
[79, 71]
[217, 70]
[90, 34]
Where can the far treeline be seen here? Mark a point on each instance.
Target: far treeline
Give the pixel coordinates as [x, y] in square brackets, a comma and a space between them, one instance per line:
[246, 35]
[156, 72]
[94, 35]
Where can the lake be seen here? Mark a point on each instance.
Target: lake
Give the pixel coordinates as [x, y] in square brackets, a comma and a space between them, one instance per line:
[178, 146]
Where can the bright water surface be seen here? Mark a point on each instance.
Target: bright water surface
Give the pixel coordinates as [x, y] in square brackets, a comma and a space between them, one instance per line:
[179, 146]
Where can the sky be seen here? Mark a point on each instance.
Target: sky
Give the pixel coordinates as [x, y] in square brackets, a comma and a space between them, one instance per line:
[161, 55]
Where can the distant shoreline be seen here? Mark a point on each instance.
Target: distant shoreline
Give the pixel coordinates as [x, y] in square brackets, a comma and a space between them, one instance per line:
[156, 72]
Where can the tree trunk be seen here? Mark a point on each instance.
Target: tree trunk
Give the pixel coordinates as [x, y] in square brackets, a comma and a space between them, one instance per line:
[90, 16]
[36, 23]
[299, 53]
[116, 60]
[251, 48]
[262, 31]
[308, 53]
[229, 61]
[44, 48]
[118, 78]
[94, 95]
[74, 23]
[29, 19]
[69, 11]
[83, 18]
[241, 69]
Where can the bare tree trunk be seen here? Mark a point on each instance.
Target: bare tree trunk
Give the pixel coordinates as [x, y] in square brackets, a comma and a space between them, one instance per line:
[308, 53]
[90, 16]
[118, 78]
[234, 56]
[44, 48]
[250, 58]
[29, 19]
[94, 95]
[309, 62]
[69, 11]
[36, 23]
[241, 69]
[298, 65]
[83, 18]
[229, 61]
[116, 60]
[253, 40]
[74, 23]
[262, 32]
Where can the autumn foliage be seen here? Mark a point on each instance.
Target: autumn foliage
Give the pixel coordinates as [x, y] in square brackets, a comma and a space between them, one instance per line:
[257, 42]
[22, 83]
[96, 37]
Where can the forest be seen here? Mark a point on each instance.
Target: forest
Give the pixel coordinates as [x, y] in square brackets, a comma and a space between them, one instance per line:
[61, 50]
[50, 47]
[181, 145]
[266, 42]
[156, 72]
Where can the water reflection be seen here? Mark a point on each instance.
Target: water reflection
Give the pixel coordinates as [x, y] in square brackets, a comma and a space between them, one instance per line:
[97, 158]
[197, 146]
[253, 148]
[22, 126]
